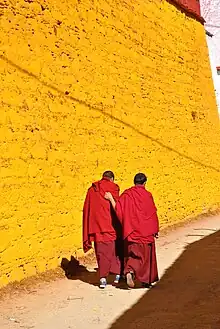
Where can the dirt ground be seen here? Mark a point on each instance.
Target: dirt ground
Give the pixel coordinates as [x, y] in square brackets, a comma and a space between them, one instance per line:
[187, 296]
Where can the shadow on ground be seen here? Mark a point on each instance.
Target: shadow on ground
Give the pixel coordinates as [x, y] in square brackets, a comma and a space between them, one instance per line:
[188, 295]
[75, 271]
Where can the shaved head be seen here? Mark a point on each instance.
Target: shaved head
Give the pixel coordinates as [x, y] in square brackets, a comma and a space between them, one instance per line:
[108, 174]
[140, 179]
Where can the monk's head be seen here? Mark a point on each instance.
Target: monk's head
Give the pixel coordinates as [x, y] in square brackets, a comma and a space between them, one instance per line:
[109, 175]
[140, 179]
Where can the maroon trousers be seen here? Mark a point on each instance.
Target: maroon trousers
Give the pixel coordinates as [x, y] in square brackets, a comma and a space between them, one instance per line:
[106, 257]
[141, 260]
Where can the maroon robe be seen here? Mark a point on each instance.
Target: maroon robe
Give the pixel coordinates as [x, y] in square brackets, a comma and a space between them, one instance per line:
[100, 225]
[138, 214]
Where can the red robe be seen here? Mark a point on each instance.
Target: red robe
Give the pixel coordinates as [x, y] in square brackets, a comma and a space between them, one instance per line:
[138, 214]
[99, 219]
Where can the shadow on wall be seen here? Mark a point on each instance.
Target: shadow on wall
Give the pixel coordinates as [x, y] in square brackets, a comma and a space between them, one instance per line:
[100, 108]
[188, 295]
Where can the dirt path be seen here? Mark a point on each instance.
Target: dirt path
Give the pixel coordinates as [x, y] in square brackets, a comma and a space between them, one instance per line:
[78, 304]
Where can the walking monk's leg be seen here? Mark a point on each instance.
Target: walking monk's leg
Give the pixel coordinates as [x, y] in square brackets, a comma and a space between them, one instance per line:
[141, 263]
[116, 263]
[106, 259]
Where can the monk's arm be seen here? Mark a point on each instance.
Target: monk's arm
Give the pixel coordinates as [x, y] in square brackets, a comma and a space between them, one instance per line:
[109, 197]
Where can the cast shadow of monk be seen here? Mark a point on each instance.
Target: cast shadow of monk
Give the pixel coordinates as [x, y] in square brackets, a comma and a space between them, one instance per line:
[75, 271]
[188, 295]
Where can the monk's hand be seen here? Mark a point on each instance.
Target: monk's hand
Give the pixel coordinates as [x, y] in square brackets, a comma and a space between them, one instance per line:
[108, 196]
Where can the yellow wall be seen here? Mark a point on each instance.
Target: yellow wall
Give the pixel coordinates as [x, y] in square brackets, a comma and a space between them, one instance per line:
[134, 72]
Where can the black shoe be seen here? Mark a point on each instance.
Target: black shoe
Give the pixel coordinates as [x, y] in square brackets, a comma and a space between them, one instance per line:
[146, 285]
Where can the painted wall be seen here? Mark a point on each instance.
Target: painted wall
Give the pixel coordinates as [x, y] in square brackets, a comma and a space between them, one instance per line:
[93, 85]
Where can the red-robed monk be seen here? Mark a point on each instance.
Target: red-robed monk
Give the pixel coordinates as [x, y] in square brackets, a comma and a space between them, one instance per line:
[101, 226]
[138, 214]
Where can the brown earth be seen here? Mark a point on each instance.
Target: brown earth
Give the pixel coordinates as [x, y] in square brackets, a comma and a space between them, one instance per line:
[187, 296]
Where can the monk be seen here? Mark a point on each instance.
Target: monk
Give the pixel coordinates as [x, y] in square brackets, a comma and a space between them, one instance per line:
[138, 214]
[101, 227]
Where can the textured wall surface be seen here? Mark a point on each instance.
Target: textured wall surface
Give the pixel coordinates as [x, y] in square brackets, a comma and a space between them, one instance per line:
[93, 85]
